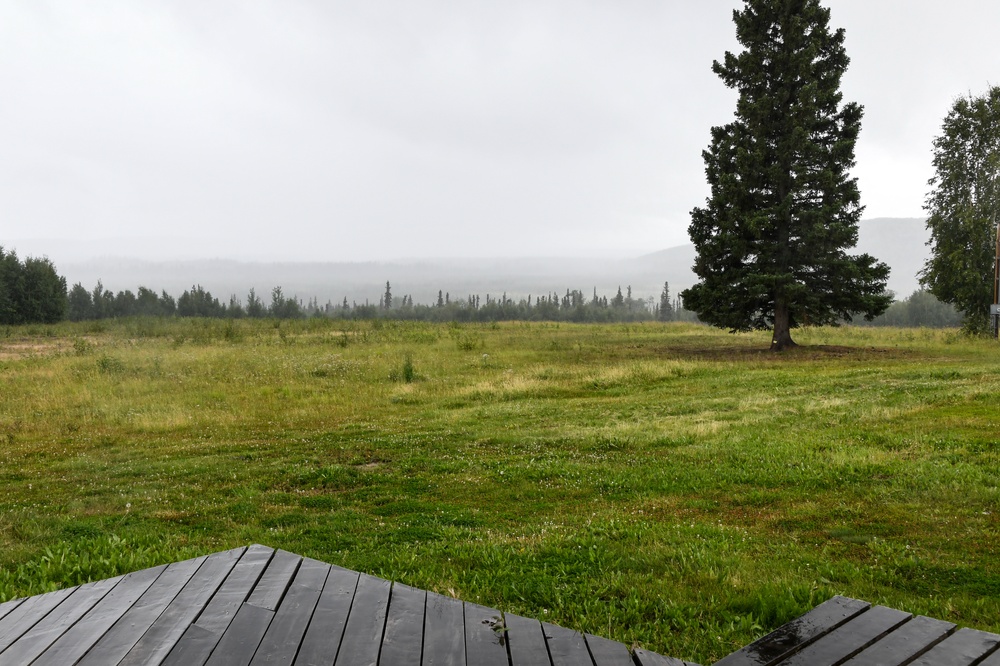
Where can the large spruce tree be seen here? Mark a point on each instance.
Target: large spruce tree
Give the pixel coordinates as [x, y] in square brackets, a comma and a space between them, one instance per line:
[783, 209]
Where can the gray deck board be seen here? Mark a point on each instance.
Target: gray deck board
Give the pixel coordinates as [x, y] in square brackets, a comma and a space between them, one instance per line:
[526, 641]
[239, 644]
[47, 631]
[112, 647]
[365, 625]
[483, 645]
[326, 628]
[79, 638]
[906, 642]
[8, 607]
[962, 648]
[154, 645]
[645, 658]
[269, 590]
[444, 631]
[223, 607]
[566, 647]
[403, 640]
[607, 653]
[28, 614]
[283, 637]
[850, 638]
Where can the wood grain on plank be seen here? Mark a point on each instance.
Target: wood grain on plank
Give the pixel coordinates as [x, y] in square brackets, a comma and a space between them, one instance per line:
[239, 644]
[8, 607]
[901, 645]
[112, 647]
[647, 658]
[194, 648]
[326, 628]
[47, 631]
[404, 627]
[283, 637]
[224, 605]
[962, 648]
[608, 653]
[850, 638]
[485, 644]
[73, 644]
[566, 647]
[365, 624]
[275, 580]
[154, 645]
[444, 631]
[28, 614]
[525, 641]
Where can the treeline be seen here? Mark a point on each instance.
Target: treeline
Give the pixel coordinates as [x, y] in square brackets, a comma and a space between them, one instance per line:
[31, 291]
[921, 308]
[100, 303]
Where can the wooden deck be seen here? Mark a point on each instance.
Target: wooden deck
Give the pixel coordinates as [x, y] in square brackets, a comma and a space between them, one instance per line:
[855, 633]
[257, 606]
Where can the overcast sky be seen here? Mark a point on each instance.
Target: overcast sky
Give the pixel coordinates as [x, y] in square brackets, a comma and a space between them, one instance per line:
[363, 130]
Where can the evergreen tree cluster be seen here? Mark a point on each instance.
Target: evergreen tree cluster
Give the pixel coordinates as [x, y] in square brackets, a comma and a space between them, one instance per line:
[574, 305]
[30, 291]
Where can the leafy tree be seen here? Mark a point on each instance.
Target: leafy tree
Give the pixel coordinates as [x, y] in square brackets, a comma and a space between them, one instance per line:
[964, 208]
[783, 209]
[11, 283]
[80, 306]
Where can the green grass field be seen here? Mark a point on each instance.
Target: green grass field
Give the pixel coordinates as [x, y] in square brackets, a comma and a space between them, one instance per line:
[668, 485]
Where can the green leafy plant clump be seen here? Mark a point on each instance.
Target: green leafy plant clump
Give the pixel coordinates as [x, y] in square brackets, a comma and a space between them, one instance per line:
[664, 484]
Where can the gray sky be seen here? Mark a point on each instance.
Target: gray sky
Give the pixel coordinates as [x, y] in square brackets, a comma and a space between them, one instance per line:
[284, 130]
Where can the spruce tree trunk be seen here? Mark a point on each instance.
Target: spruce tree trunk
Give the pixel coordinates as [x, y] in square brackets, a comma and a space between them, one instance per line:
[782, 337]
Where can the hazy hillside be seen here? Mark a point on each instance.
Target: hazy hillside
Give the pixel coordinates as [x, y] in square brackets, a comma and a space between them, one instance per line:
[899, 242]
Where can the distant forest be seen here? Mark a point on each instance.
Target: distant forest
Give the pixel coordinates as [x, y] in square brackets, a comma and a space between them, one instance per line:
[100, 303]
[31, 291]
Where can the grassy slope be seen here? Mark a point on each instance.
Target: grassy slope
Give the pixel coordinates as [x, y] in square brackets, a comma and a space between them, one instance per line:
[667, 485]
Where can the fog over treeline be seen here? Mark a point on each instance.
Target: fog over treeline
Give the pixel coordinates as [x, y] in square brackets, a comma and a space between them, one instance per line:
[898, 242]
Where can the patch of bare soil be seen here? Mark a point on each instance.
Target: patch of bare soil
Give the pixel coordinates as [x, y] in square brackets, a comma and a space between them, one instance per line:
[12, 350]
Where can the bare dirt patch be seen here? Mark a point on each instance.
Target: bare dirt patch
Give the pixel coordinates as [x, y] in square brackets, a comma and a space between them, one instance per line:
[12, 350]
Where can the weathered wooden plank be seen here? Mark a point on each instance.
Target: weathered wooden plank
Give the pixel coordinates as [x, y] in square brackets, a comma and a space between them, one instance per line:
[112, 647]
[991, 660]
[224, 605]
[28, 614]
[798, 633]
[444, 632]
[526, 641]
[276, 579]
[404, 627]
[239, 644]
[906, 642]
[962, 648]
[566, 647]
[647, 658]
[8, 607]
[195, 646]
[281, 642]
[363, 633]
[73, 644]
[154, 645]
[849, 638]
[48, 630]
[326, 628]
[608, 653]
[484, 645]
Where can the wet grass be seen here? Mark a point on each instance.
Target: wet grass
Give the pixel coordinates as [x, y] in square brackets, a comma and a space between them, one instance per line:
[668, 485]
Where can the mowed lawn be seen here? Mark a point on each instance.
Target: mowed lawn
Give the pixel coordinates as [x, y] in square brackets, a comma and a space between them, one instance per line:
[667, 485]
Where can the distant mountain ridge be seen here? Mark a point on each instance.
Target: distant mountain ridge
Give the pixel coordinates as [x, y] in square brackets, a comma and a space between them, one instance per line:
[900, 242]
